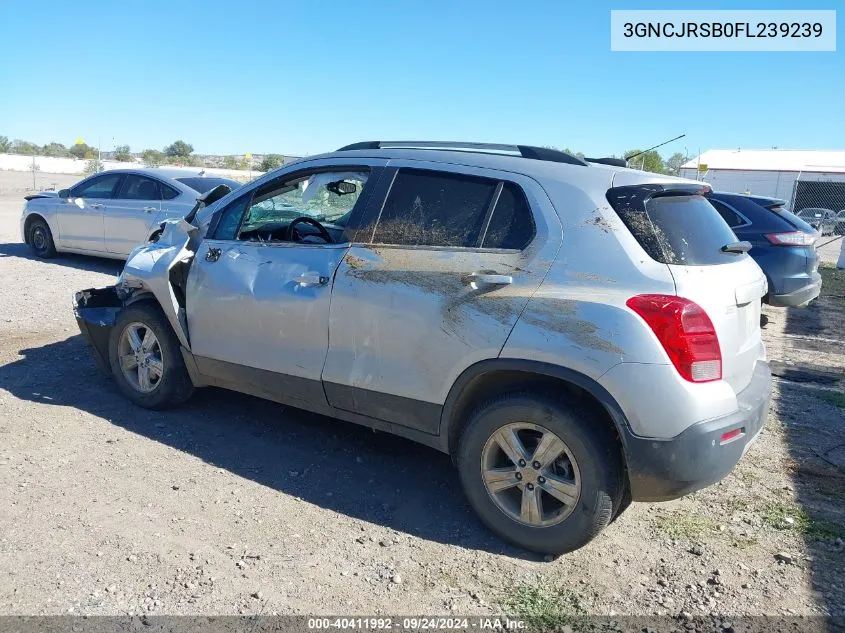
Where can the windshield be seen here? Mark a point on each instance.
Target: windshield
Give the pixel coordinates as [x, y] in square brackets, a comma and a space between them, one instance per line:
[201, 185]
[327, 197]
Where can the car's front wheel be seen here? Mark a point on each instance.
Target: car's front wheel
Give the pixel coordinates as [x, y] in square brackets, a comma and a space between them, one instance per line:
[541, 471]
[145, 358]
[40, 239]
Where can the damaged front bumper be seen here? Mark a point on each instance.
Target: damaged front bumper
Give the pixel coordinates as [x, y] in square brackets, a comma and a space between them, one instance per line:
[96, 311]
[156, 271]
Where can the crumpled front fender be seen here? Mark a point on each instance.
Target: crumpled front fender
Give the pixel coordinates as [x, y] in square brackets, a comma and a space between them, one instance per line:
[148, 269]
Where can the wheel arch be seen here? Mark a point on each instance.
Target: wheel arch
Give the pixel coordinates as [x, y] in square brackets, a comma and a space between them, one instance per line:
[31, 217]
[488, 377]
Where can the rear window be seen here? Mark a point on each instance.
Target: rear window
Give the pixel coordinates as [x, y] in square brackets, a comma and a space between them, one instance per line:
[675, 229]
[794, 220]
[201, 185]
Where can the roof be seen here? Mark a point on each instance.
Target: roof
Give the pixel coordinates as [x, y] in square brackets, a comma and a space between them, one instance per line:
[518, 158]
[770, 160]
[168, 172]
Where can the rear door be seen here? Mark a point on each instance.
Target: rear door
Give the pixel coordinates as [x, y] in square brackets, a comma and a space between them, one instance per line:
[81, 214]
[434, 286]
[128, 216]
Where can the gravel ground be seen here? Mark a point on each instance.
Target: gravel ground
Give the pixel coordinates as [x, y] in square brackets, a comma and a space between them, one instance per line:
[233, 505]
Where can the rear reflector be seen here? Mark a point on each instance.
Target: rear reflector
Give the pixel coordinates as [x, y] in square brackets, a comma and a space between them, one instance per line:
[732, 435]
[792, 238]
[685, 332]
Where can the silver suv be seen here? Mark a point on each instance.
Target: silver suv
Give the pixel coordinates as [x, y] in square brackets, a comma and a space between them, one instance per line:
[575, 334]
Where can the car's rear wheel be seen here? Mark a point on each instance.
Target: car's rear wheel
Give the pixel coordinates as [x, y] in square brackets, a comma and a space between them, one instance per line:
[41, 239]
[541, 471]
[145, 359]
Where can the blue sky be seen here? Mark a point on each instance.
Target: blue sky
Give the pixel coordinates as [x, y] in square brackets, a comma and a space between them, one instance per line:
[310, 76]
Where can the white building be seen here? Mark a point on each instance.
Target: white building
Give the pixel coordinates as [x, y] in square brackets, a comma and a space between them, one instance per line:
[804, 178]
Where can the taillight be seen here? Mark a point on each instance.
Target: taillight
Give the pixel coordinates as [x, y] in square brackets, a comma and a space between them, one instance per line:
[792, 238]
[686, 333]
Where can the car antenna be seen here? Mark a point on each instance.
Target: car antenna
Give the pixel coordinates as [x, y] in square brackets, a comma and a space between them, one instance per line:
[627, 158]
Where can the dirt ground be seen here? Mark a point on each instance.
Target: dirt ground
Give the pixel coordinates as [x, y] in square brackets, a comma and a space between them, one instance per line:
[234, 505]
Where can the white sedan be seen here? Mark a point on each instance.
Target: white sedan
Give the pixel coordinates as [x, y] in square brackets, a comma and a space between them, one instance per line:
[110, 213]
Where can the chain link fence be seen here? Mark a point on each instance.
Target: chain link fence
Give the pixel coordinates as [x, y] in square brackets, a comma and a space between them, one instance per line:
[819, 199]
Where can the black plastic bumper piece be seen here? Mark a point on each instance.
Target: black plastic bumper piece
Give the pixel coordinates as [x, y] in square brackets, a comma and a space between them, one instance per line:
[96, 310]
[660, 470]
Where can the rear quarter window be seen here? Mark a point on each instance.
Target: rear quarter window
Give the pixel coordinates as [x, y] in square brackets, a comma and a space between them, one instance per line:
[675, 229]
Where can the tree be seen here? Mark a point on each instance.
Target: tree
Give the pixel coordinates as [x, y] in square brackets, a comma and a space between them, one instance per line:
[122, 154]
[230, 162]
[82, 150]
[5, 145]
[179, 149]
[648, 161]
[271, 162]
[24, 147]
[674, 162]
[152, 157]
[94, 166]
[55, 149]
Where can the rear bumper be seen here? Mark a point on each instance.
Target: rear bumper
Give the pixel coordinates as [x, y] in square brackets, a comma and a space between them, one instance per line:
[95, 310]
[660, 470]
[800, 296]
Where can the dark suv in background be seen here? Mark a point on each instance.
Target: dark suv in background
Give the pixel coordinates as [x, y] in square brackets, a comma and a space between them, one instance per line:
[783, 245]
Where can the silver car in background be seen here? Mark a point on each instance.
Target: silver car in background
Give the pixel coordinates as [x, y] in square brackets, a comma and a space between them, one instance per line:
[110, 213]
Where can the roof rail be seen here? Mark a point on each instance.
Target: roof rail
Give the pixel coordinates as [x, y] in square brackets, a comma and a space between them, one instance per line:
[525, 151]
[616, 162]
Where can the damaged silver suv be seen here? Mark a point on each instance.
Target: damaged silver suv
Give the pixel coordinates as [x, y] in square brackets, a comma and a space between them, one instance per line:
[575, 334]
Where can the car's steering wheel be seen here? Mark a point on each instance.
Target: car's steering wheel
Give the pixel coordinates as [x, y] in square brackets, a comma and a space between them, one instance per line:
[293, 236]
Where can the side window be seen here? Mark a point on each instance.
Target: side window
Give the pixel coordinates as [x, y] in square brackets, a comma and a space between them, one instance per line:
[140, 188]
[230, 219]
[430, 208]
[728, 215]
[100, 187]
[325, 196]
[512, 225]
[168, 192]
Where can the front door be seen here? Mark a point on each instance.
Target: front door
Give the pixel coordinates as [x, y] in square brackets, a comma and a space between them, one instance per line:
[81, 214]
[259, 289]
[128, 216]
[452, 262]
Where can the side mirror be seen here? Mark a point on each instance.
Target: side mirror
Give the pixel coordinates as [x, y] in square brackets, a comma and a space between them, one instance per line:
[64, 193]
[214, 194]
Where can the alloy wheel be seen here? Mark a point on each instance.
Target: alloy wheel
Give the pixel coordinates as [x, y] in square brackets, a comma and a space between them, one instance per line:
[140, 357]
[530, 474]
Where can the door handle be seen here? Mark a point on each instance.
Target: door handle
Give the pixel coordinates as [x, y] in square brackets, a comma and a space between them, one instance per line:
[96, 206]
[150, 209]
[212, 254]
[311, 279]
[488, 279]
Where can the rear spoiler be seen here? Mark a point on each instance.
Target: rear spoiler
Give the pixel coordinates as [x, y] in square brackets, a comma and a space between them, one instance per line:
[43, 194]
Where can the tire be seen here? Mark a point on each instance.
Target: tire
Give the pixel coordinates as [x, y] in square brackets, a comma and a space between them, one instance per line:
[40, 239]
[591, 452]
[168, 383]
